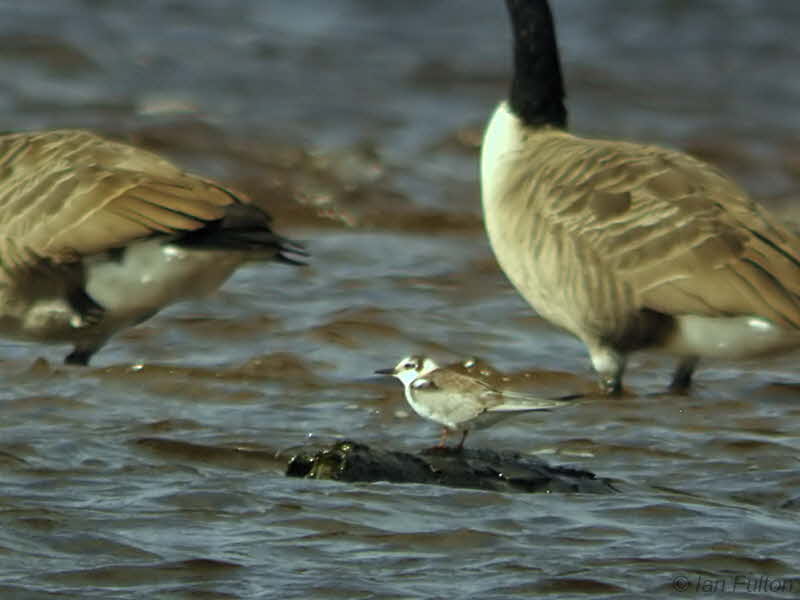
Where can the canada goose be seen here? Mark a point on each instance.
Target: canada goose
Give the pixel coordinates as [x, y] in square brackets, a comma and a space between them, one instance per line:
[97, 235]
[628, 246]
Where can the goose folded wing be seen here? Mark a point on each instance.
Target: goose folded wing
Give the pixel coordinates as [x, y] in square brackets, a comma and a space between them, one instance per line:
[683, 237]
[59, 209]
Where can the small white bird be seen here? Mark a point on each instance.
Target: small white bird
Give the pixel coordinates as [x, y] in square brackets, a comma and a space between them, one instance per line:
[459, 402]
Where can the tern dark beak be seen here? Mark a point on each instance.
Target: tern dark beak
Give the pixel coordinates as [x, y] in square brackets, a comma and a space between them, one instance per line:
[384, 372]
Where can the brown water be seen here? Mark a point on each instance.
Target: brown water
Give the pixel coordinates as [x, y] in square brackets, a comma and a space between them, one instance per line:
[157, 472]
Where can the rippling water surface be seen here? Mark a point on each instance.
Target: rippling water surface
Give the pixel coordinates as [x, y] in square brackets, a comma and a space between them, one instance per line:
[157, 472]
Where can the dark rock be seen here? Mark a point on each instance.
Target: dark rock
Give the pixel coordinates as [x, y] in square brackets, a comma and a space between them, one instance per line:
[468, 468]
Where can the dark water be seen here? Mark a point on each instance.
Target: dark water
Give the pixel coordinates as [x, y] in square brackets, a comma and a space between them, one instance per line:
[156, 473]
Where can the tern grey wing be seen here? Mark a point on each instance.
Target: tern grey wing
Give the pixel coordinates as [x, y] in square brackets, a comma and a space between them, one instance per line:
[448, 398]
[637, 226]
[66, 194]
[485, 396]
[448, 379]
[497, 407]
[515, 401]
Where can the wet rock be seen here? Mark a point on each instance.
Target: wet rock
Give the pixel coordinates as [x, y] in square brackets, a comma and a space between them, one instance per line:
[478, 468]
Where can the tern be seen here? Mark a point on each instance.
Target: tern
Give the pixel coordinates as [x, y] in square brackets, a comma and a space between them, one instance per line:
[457, 401]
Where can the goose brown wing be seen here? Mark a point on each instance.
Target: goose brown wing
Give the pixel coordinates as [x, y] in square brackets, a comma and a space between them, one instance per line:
[681, 236]
[65, 194]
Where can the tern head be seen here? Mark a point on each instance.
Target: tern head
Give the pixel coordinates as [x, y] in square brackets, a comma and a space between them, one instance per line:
[410, 368]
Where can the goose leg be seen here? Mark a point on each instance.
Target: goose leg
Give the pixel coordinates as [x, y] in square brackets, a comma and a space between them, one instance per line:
[609, 366]
[82, 353]
[464, 434]
[682, 378]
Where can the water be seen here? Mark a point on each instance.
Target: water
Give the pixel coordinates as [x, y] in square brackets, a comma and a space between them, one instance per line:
[157, 472]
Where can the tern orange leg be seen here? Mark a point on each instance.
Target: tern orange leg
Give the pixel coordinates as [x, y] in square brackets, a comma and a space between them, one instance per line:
[443, 437]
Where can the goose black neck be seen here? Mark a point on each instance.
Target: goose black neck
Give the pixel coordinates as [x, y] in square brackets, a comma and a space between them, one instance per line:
[537, 89]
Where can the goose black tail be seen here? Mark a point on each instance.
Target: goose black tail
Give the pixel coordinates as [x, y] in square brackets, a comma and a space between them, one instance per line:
[245, 228]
